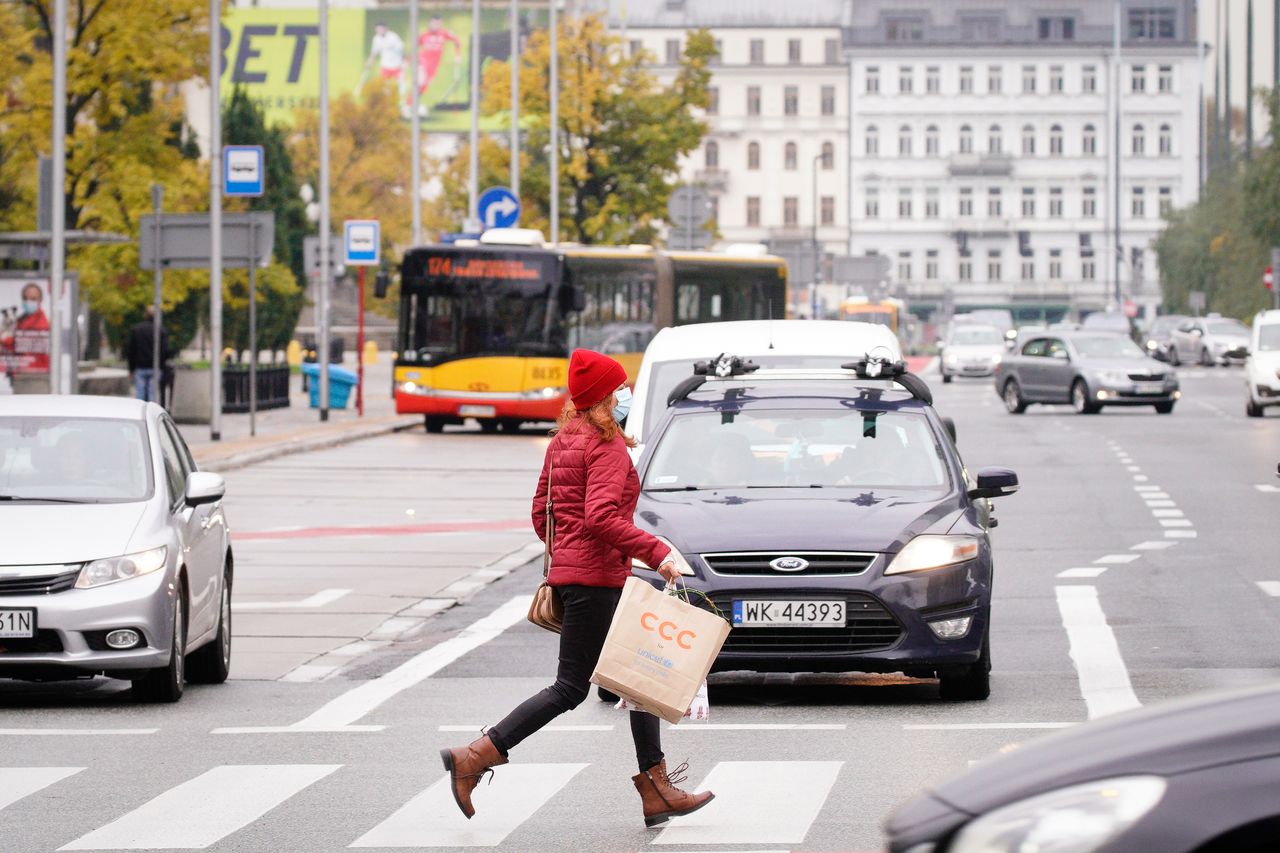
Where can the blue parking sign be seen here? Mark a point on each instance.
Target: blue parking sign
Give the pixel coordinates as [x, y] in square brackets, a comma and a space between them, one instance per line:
[243, 170]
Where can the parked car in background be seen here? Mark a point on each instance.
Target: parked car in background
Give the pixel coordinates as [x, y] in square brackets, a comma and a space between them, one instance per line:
[970, 350]
[1089, 370]
[1262, 368]
[117, 558]
[1209, 341]
[1109, 321]
[1159, 336]
[1001, 318]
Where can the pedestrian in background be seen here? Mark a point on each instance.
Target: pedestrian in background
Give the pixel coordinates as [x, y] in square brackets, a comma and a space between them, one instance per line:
[594, 488]
[138, 352]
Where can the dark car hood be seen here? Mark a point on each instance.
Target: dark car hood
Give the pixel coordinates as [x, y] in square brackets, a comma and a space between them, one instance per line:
[832, 519]
[1172, 738]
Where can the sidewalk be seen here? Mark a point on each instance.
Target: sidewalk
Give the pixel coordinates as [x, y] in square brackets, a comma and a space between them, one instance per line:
[298, 428]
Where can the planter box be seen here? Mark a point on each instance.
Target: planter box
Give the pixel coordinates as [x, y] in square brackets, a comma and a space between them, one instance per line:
[191, 389]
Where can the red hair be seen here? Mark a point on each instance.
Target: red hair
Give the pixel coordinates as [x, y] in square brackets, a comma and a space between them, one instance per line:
[599, 417]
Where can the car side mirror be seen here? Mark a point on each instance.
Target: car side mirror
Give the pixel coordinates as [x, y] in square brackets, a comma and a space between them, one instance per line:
[995, 483]
[204, 487]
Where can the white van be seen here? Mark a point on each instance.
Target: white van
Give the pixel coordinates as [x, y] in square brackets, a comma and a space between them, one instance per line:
[1262, 368]
[671, 354]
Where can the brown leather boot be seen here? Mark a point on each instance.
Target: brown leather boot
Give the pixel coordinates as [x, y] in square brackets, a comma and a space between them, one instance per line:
[662, 799]
[466, 765]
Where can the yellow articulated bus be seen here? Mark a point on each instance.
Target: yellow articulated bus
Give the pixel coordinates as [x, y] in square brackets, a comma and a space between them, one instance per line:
[486, 329]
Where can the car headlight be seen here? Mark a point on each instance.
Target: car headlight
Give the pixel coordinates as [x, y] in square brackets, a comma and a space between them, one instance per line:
[112, 569]
[1078, 819]
[933, 551]
[950, 358]
[681, 563]
[1113, 377]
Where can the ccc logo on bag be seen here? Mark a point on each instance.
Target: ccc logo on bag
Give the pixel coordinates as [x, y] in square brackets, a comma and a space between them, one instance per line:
[667, 630]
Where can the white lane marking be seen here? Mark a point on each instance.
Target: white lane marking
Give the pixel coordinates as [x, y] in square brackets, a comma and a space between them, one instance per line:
[1117, 559]
[552, 728]
[320, 599]
[1104, 680]
[1167, 513]
[770, 802]
[1270, 587]
[1174, 522]
[967, 727]
[1154, 496]
[1133, 469]
[75, 732]
[759, 727]
[344, 710]
[1140, 478]
[432, 819]
[1146, 488]
[293, 729]
[206, 809]
[1181, 534]
[1155, 504]
[1153, 546]
[19, 782]
[1083, 572]
[1267, 488]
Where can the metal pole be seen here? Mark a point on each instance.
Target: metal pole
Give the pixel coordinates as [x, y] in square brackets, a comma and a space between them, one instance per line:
[554, 119]
[326, 271]
[1226, 87]
[215, 220]
[817, 254]
[1275, 57]
[415, 124]
[515, 98]
[58, 224]
[1203, 129]
[253, 325]
[473, 177]
[157, 316]
[1119, 253]
[1248, 81]
[360, 349]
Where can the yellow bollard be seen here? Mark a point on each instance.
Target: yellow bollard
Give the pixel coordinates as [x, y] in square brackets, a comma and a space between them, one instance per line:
[293, 353]
[370, 352]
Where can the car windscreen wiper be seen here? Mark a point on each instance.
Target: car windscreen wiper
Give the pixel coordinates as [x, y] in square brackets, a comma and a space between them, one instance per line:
[45, 500]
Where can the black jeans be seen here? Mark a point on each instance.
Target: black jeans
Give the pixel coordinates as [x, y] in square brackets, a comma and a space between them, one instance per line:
[588, 610]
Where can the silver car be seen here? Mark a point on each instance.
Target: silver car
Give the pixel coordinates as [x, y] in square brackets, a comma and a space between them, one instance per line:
[116, 556]
[971, 350]
[1209, 341]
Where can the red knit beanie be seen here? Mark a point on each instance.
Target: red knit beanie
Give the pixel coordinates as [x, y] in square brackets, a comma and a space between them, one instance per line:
[593, 377]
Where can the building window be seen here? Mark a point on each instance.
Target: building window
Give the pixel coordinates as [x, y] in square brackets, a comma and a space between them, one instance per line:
[1165, 78]
[828, 156]
[790, 211]
[713, 100]
[904, 29]
[1166, 140]
[905, 80]
[716, 57]
[1089, 203]
[1139, 140]
[827, 206]
[715, 208]
[966, 139]
[673, 51]
[1089, 140]
[904, 202]
[964, 271]
[1088, 269]
[932, 80]
[980, 29]
[965, 207]
[832, 51]
[931, 265]
[872, 142]
[1055, 79]
[753, 211]
[904, 266]
[1055, 203]
[1055, 264]
[931, 141]
[873, 80]
[994, 271]
[753, 155]
[789, 156]
[1136, 260]
[711, 154]
[994, 206]
[1158, 24]
[1089, 79]
[872, 203]
[757, 51]
[931, 203]
[793, 51]
[995, 140]
[791, 100]
[1028, 202]
[966, 79]
[1138, 78]
[995, 83]
[1028, 140]
[1138, 203]
[636, 47]
[904, 141]
[1166, 201]
[1028, 270]
[753, 100]
[1056, 29]
[1028, 79]
[1055, 141]
[828, 100]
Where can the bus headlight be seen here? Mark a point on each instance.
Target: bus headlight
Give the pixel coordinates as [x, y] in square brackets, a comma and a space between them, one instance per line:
[547, 393]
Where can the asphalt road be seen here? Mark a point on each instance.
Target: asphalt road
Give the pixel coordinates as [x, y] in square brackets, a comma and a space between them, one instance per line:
[1138, 563]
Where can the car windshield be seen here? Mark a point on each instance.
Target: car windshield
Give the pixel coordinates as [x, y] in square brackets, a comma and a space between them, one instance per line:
[1165, 325]
[1226, 327]
[976, 336]
[1106, 346]
[1118, 322]
[89, 460]
[1269, 338]
[854, 449]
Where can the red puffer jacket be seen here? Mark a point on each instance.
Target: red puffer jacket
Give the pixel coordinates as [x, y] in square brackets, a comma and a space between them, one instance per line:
[594, 489]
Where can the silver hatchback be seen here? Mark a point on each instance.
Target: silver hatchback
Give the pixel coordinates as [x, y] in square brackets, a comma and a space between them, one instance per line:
[116, 556]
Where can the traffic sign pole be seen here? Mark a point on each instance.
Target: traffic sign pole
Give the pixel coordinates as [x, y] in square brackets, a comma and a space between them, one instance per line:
[360, 350]
[362, 247]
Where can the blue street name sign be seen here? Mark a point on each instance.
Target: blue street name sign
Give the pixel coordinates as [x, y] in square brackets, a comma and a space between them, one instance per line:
[498, 208]
[361, 242]
[243, 170]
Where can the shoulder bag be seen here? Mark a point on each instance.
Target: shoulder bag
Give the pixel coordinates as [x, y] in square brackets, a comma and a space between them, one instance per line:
[546, 609]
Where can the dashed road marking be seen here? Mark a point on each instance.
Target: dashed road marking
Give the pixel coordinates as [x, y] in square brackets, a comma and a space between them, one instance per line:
[1270, 587]
[1104, 679]
[1167, 513]
[1140, 478]
[1154, 503]
[19, 782]
[1174, 522]
[1082, 572]
[1146, 488]
[1153, 546]
[1181, 534]
[1117, 559]
[1267, 488]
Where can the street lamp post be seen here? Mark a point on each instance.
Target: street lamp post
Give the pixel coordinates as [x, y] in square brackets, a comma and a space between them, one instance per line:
[515, 98]
[58, 225]
[415, 127]
[554, 120]
[322, 312]
[817, 252]
[215, 220]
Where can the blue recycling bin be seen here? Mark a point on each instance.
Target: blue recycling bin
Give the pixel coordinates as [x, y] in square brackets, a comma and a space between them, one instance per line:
[341, 381]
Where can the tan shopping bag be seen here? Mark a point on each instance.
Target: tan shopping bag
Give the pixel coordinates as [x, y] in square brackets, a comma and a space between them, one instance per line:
[658, 651]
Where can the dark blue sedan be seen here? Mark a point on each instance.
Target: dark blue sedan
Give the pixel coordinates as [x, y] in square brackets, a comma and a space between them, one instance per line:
[830, 517]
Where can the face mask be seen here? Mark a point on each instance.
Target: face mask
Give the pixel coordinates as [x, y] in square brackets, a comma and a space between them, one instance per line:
[623, 406]
[30, 306]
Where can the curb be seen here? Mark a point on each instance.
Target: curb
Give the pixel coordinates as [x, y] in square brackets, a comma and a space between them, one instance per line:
[302, 444]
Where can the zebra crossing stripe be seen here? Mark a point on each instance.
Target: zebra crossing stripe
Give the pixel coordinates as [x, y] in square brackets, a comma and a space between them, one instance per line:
[206, 809]
[19, 782]
[432, 819]
[757, 802]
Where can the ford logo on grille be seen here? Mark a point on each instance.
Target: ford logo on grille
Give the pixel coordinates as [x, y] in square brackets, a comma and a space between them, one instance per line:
[789, 564]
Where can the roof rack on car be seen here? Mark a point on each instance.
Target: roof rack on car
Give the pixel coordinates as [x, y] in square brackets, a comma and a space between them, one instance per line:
[725, 366]
[875, 367]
